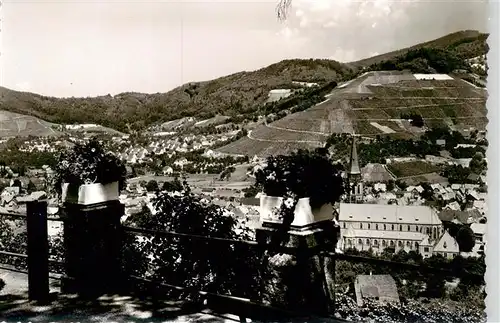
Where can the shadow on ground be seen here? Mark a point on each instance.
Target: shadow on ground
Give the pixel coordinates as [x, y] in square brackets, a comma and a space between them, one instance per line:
[107, 308]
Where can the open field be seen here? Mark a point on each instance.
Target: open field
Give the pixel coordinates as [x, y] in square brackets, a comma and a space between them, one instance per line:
[240, 173]
[373, 104]
[15, 124]
[431, 178]
[412, 168]
[93, 128]
[283, 135]
[200, 181]
[251, 147]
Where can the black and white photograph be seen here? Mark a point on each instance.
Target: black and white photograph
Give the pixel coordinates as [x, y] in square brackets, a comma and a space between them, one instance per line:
[247, 161]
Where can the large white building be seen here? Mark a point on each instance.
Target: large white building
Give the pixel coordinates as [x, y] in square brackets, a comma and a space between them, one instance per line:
[377, 226]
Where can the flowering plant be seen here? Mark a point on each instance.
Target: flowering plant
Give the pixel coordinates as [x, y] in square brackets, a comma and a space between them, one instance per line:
[301, 174]
[88, 164]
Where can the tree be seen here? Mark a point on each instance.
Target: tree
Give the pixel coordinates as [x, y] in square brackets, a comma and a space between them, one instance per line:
[17, 183]
[466, 239]
[282, 9]
[390, 186]
[435, 286]
[31, 187]
[209, 265]
[172, 186]
[152, 186]
[251, 191]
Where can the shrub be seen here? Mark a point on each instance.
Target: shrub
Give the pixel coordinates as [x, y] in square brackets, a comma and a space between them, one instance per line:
[87, 164]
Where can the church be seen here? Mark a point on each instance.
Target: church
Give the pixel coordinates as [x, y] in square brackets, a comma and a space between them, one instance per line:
[400, 227]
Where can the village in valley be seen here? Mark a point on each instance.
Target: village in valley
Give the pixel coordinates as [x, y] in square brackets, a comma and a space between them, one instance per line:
[376, 191]
[424, 205]
[388, 153]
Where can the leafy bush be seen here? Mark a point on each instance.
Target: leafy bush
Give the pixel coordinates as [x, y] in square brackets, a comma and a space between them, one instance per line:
[208, 265]
[86, 164]
[301, 174]
[466, 239]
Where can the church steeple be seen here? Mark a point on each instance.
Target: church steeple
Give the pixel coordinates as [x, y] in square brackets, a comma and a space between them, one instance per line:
[354, 184]
[354, 170]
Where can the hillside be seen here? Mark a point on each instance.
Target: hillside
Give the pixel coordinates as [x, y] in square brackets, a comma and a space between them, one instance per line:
[237, 94]
[230, 95]
[18, 125]
[465, 44]
[375, 103]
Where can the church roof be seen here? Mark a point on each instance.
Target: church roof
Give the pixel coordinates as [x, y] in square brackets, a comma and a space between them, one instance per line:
[382, 213]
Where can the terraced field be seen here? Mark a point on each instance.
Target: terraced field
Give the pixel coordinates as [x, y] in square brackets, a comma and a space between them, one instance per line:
[373, 104]
[14, 124]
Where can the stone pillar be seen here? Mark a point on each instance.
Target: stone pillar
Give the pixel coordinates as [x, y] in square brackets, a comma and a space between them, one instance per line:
[297, 276]
[92, 239]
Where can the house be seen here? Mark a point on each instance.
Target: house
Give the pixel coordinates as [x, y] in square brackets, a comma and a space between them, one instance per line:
[129, 170]
[447, 246]
[35, 172]
[441, 142]
[446, 196]
[380, 187]
[38, 195]
[381, 288]
[464, 162]
[437, 188]
[12, 190]
[473, 195]
[476, 252]
[479, 230]
[463, 217]
[481, 206]
[167, 170]
[474, 177]
[453, 206]
[425, 247]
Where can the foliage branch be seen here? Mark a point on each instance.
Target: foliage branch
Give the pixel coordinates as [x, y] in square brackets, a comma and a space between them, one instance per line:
[204, 264]
[86, 164]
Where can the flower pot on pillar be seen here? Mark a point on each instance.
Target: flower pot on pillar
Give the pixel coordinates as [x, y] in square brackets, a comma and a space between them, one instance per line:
[89, 194]
[295, 261]
[301, 277]
[88, 181]
[92, 237]
[305, 215]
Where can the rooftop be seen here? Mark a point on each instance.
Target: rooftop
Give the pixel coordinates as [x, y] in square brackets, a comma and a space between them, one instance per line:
[380, 213]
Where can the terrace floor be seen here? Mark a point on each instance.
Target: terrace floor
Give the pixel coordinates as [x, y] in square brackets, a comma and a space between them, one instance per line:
[15, 307]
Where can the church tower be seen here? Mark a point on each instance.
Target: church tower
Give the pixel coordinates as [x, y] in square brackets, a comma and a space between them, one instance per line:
[354, 183]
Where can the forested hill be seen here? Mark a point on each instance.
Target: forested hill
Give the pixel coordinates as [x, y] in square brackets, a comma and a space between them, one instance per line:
[229, 95]
[463, 44]
[237, 94]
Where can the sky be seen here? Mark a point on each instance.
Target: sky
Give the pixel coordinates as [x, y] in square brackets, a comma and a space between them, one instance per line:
[97, 47]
